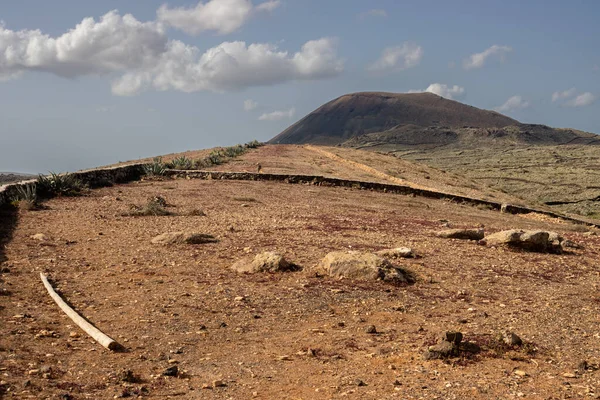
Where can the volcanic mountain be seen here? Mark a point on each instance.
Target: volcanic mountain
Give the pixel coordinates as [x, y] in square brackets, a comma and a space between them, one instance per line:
[369, 119]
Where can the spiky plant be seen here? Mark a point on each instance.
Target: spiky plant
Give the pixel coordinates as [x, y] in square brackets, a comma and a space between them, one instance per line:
[26, 196]
[58, 185]
[181, 163]
[156, 167]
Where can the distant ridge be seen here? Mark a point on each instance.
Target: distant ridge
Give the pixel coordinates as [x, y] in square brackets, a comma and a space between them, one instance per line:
[361, 113]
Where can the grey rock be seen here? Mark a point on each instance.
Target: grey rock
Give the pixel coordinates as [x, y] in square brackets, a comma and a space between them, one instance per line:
[464, 234]
[264, 262]
[170, 238]
[512, 339]
[398, 252]
[360, 266]
[443, 349]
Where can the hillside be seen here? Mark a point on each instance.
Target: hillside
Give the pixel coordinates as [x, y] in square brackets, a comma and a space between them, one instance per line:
[361, 113]
[419, 137]
[7, 177]
[418, 120]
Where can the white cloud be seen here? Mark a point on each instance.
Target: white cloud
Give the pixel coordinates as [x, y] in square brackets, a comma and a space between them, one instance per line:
[398, 58]
[582, 100]
[375, 12]
[563, 95]
[478, 60]
[441, 89]
[146, 58]
[278, 115]
[268, 5]
[232, 66]
[512, 104]
[250, 105]
[113, 43]
[570, 98]
[222, 16]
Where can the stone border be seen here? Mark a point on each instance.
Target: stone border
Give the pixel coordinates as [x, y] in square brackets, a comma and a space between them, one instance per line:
[94, 178]
[108, 176]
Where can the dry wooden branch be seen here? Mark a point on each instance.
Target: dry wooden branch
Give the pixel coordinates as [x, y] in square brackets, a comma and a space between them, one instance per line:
[79, 320]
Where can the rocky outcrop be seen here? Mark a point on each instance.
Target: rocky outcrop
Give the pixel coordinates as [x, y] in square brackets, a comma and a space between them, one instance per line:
[264, 262]
[538, 241]
[463, 234]
[360, 266]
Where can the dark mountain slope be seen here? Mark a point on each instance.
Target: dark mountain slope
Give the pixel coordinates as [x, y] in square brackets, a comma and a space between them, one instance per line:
[357, 114]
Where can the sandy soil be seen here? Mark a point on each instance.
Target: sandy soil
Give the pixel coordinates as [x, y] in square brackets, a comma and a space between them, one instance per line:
[359, 165]
[292, 335]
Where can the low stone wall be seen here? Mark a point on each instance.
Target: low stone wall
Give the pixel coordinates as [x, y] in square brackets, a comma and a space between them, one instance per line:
[93, 178]
[108, 176]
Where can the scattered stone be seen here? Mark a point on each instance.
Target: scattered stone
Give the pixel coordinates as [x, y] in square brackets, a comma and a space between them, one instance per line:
[572, 245]
[218, 383]
[539, 241]
[583, 366]
[127, 375]
[264, 262]
[39, 236]
[197, 213]
[399, 252]
[361, 266]
[443, 349]
[371, 329]
[448, 346]
[284, 358]
[74, 334]
[360, 382]
[520, 373]
[569, 375]
[470, 347]
[452, 337]
[511, 339]
[183, 238]
[171, 371]
[590, 233]
[463, 234]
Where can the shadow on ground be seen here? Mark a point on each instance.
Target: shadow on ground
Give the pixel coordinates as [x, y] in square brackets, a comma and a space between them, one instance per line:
[8, 222]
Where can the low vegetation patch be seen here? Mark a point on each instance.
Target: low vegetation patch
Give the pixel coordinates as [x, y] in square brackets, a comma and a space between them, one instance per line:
[216, 157]
[26, 197]
[57, 185]
[155, 168]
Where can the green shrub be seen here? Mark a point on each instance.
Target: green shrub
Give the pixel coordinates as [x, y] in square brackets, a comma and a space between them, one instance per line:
[26, 197]
[58, 185]
[181, 163]
[156, 168]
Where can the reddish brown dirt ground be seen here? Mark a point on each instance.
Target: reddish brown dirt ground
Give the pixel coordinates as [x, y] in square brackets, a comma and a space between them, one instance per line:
[180, 305]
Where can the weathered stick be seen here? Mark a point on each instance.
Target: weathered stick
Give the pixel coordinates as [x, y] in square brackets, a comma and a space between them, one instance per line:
[80, 321]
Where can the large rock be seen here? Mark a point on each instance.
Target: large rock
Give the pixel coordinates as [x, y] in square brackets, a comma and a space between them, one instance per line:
[264, 262]
[464, 234]
[361, 266]
[183, 238]
[540, 241]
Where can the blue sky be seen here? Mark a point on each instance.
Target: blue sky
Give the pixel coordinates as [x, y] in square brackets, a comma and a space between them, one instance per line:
[174, 76]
